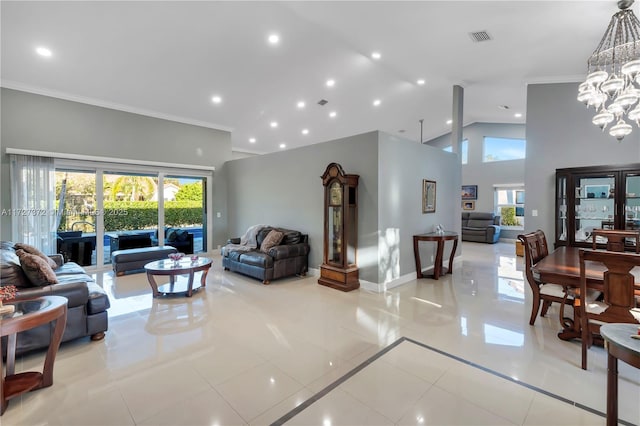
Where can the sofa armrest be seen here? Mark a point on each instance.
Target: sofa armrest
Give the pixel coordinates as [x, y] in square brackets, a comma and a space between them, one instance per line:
[58, 258]
[233, 240]
[287, 251]
[76, 293]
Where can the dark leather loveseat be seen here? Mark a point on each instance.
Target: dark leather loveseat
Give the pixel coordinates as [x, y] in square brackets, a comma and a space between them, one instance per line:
[180, 239]
[87, 301]
[480, 227]
[289, 257]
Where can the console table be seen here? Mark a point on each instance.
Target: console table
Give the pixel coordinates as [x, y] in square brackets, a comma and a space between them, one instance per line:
[440, 239]
[30, 314]
[620, 345]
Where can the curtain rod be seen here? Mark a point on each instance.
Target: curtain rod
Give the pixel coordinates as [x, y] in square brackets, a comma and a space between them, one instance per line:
[105, 159]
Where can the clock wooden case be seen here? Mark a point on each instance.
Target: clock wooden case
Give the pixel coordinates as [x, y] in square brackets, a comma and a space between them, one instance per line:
[339, 268]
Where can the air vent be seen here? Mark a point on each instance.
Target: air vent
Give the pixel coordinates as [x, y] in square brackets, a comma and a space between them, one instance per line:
[323, 102]
[479, 36]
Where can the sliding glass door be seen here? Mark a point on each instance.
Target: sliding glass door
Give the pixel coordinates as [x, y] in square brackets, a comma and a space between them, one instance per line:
[100, 210]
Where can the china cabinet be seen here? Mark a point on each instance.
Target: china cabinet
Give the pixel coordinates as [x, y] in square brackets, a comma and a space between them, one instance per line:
[597, 197]
[339, 268]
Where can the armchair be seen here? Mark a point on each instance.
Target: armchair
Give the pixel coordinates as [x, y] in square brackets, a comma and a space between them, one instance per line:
[480, 227]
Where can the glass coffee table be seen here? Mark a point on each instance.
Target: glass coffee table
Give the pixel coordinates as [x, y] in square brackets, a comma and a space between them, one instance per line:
[173, 269]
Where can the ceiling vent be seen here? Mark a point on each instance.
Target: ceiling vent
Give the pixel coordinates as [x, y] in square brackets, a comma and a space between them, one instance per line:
[323, 102]
[479, 36]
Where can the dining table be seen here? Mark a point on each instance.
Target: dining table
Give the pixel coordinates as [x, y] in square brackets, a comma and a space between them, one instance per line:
[562, 267]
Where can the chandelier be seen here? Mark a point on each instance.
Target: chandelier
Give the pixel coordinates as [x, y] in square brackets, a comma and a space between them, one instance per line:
[612, 86]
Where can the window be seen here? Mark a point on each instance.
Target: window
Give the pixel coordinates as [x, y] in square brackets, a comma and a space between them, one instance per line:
[503, 149]
[509, 204]
[464, 148]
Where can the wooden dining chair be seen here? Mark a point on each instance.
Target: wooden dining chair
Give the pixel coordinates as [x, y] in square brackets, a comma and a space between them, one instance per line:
[536, 249]
[616, 238]
[618, 305]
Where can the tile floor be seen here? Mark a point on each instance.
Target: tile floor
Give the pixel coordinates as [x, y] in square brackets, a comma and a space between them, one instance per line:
[243, 353]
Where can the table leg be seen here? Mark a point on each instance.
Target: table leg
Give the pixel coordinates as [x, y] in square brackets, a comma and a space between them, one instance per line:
[612, 390]
[11, 354]
[47, 372]
[416, 255]
[152, 282]
[437, 267]
[203, 277]
[453, 253]
[190, 284]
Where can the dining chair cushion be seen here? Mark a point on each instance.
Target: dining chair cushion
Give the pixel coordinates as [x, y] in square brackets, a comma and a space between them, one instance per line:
[599, 307]
[554, 290]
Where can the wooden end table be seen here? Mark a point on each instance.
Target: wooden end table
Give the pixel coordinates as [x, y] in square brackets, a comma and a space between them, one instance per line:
[173, 269]
[440, 239]
[619, 346]
[30, 314]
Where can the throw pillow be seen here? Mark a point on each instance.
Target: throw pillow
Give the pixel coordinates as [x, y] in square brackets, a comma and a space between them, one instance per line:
[272, 239]
[36, 269]
[33, 250]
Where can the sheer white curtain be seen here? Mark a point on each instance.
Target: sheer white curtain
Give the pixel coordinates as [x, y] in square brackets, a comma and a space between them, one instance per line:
[33, 201]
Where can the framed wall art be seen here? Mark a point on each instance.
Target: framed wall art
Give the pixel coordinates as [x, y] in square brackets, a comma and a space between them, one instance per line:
[428, 196]
[468, 205]
[469, 192]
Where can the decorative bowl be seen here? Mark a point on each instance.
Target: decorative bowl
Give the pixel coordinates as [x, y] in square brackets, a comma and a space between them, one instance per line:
[176, 257]
[194, 257]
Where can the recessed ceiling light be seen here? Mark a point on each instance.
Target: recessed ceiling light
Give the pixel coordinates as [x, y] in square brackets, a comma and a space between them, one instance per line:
[305, 131]
[274, 38]
[517, 115]
[216, 99]
[421, 82]
[331, 83]
[377, 102]
[282, 146]
[376, 55]
[332, 114]
[252, 140]
[273, 124]
[43, 51]
[449, 121]
[300, 104]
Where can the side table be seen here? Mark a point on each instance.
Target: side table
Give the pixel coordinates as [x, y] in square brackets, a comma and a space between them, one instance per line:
[440, 239]
[30, 314]
[620, 345]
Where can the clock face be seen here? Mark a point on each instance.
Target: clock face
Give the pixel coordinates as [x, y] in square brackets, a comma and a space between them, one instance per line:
[335, 194]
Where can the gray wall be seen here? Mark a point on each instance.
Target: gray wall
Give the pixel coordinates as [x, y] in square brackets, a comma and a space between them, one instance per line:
[36, 122]
[485, 175]
[403, 164]
[284, 189]
[560, 134]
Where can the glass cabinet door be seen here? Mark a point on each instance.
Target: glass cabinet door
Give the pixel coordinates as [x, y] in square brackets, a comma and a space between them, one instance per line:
[335, 224]
[594, 206]
[632, 201]
[561, 209]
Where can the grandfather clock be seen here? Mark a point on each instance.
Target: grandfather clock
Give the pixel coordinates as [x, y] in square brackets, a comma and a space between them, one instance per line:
[339, 268]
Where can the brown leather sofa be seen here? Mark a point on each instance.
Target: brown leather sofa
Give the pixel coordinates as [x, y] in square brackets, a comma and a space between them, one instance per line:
[87, 301]
[290, 257]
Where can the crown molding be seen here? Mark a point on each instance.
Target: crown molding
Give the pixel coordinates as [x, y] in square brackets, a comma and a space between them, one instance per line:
[16, 85]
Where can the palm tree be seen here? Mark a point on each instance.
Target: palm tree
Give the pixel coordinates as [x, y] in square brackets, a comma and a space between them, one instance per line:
[135, 188]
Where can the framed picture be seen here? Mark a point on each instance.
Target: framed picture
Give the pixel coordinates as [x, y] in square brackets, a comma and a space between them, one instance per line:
[428, 196]
[468, 205]
[469, 192]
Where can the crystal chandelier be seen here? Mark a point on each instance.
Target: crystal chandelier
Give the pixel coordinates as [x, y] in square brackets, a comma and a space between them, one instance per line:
[612, 85]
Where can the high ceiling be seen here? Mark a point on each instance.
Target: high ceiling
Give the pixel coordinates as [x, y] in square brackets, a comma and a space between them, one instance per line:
[168, 59]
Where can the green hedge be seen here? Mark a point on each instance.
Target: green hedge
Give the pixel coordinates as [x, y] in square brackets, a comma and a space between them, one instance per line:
[130, 215]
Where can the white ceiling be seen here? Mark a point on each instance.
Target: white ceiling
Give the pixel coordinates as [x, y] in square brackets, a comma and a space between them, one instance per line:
[168, 59]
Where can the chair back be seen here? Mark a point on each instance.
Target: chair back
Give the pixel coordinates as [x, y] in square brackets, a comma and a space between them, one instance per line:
[535, 249]
[619, 302]
[616, 238]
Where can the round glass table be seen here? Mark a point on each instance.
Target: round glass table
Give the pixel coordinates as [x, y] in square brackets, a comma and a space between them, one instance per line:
[174, 269]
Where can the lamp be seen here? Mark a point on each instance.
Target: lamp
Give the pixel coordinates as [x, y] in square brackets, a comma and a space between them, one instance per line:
[612, 85]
